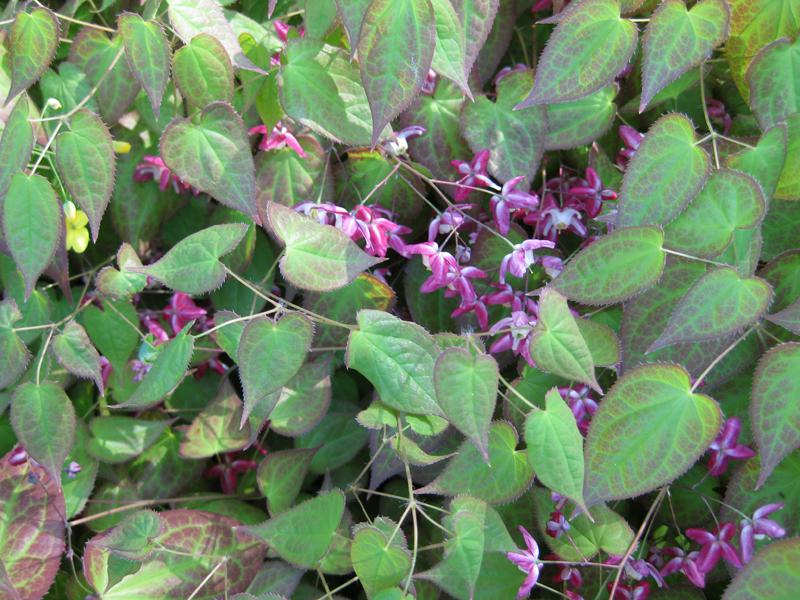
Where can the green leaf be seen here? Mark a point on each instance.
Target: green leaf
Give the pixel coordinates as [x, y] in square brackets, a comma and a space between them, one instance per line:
[69, 86]
[203, 71]
[14, 355]
[771, 575]
[284, 177]
[133, 537]
[217, 428]
[395, 51]
[765, 161]
[282, 345]
[477, 18]
[589, 47]
[85, 161]
[466, 390]
[78, 488]
[555, 447]
[557, 345]
[602, 342]
[303, 402]
[788, 318]
[317, 257]
[777, 62]
[320, 17]
[113, 331]
[93, 53]
[651, 414]
[789, 183]
[352, 14]
[515, 138]
[450, 52]
[165, 374]
[321, 88]
[593, 276]
[730, 200]
[667, 171]
[380, 556]
[338, 437]
[193, 265]
[148, 55]
[774, 412]
[30, 553]
[398, 358]
[504, 478]
[117, 439]
[678, 39]
[77, 355]
[720, 303]
[280, 477]
[16, 145]
[214, 156]
[32, 225]
[44, 422]
[32, 44]
[580, 122]
[301, 536]
[120, 283]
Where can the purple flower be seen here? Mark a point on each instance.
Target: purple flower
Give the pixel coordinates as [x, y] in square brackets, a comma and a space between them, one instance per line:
[759, 528]
[153, 168]
[717, 111]
[473, 174]
[522, 257]
[182, 310]
[641, 591]
[725, 447]
[72, 469]
[592, 192]
[553, 218]
[510, 198]
[159, 334]
[447, 222]
[632, 140]
[105, 370]
[685, 563]
[18, 457]
[557, 525]
[638, 569]
[429, 85]
[715, 546]
[528, 562]
[580, 403]
[278, 138]
[140, 368]
[518, 337]
[506, 71]
[398, 144]
[570, 575]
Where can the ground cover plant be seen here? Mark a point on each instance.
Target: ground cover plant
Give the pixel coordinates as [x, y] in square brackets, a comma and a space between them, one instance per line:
[395, 299]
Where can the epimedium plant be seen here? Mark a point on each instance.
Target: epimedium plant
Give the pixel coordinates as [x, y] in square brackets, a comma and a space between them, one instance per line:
[397, 299]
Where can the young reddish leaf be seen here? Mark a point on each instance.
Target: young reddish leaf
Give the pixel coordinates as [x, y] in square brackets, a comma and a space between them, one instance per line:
[44, 422]
[557, 345]
[203, 71]
[32, 44]
[32, 536]
[398, 358]
[395, 50]
[580, 122]
[477, 18]
[213, 155]
[450, 51]
[318, 258]
[193, 265]
[120, 283]
[217, 428]
[16, 144]
[281, 475]
[304, 401]
[302, 535]
[165, 374]
[283, 346]
[788, 318]
[117, 439]
[514, 138]
[504, 478]
[77, 355]
[85, 161]
[651, 414]
[14, 355]
[774, 411]
[720, 303]
[555, 447]
[667, 171]
[765, 161]
[587, 50]
[32, 225]
[592, 277]
[777, 62]
[466, 390]
[771, 575]
[93, 53]
[678, 39]
[730, 200]
[147, 53]
[284, 177]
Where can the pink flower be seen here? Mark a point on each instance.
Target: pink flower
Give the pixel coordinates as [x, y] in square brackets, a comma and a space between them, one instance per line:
[759, 528]
[398, 144]
[528, 562]
[447, 222]
[557, 525]
[278, 138]
[473, 174]
[228, 470]
[686, 563]
[725, 447]
[518, 337]
[552, 218]
[153, 168]
[522, 257]
[105, 370]
[632, 140]
[429, 85]
[715, 546]
[156, 330]
[641, 591]
[580, 403]
[592, 192]
[510, 199]
[72, 469]
[570, 575]
[181, 311]
[18, 457]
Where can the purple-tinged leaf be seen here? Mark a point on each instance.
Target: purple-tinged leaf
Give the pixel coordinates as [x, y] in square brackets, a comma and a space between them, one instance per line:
[16, 144]
[284, 177]
[148, 55]
[280, 477]
[203, 71]
[32, 44]
[450, 53]
[75, 352]
[580, 122]
[352, 12]
[217, 428]
[493, 49]
[771, 575]
[304, 401]
[788, 318]
[477, 18]
[765, 161]
[772, 78]
[14, 355]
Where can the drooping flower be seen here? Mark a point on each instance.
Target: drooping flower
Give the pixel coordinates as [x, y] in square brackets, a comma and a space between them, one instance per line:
[580, 402]
[105, 370]
[511, 199]
[557, 525]
[759, 528]
[153, 168]
[473, 174]
[632, 140]
[718, 112]
[522, 257]
[182, 310]
[686, 564]
[552, 218]
[228, 470]
[715, 546]
[528, 562]
[592, 192]
[447, 222]
[570, 575]
[398, 144]
[429, 85]
[726, 447]
[640, 591]
[517, 331]
[76, 221]
[280, 137]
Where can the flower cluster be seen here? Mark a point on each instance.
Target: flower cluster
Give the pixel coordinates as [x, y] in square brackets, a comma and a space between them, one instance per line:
[153, 168]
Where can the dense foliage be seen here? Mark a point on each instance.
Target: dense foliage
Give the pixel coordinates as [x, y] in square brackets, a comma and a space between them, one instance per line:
[396, 299]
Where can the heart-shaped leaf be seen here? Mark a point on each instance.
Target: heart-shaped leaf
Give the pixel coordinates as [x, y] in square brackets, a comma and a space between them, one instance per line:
[86, 164]
[466, 390]
[317, 257]
[16, 144]
[450, 51]
[765, 161]
[720, 303]
[76, 354]
[217, 428]
[514, 138]
[214, 156]
[32, 44]
[580, 122]
[380, 556]
[678, 39]
[14, 355]
[283, 346]
[120, 283]
[666, 172]
[147, 53]
[652, 414]
[284, 177]
[789, 183]
[352, 14]
[589, 47]
[44, 421]
[395, 50]
[602, 342]
[779, 61]
[281, 475]
[771, 575]
[111, 331]
[193, 265]
[117, 439]
[593, 276]
[477, 18]
[304, 401]
[203, 72]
